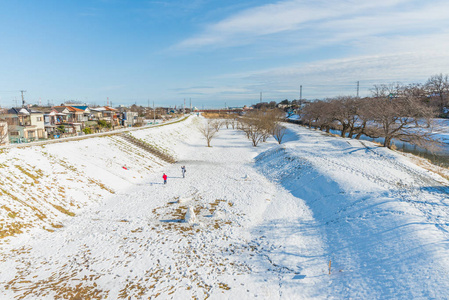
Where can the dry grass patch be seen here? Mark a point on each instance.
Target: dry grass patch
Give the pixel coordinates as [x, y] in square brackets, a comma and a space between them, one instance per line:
[63, 210]
[11, 229]
[60, 285]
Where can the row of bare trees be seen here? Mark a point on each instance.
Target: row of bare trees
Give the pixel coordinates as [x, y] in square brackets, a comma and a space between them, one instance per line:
[395, 111]
[437, 89]
[259, 125]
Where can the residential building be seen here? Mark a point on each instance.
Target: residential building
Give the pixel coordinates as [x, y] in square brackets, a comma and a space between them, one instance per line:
[129, 118]
[25, 125]
[86, 112]
[74, 119]
[107, 114]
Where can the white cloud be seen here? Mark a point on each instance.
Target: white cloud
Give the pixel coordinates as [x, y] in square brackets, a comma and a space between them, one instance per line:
[278, 18]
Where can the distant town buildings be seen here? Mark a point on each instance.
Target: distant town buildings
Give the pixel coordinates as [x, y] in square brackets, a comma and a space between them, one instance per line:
[33, 123]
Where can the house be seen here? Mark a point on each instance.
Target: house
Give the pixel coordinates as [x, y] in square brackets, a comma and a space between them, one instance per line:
[107, 114]
[25, 125]
[52, 119]
[129, 118]
[74, 120]
[86, 112]
[74, 115]
[89, 118]
[64, 114]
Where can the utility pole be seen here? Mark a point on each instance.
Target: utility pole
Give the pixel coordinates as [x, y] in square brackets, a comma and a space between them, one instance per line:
[184, 107]
[300, 93]
[23, 99]
[358, 84]
[190, 105]
[260, 97]
[154, 114]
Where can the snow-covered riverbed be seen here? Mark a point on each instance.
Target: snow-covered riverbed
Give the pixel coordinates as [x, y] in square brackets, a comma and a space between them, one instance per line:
[268, 221]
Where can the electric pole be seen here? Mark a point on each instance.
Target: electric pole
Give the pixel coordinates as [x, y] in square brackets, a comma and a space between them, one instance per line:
[23, 99]
[260, 97]
[184, 107]
[300, 93]
[358, 84]
[154, 114]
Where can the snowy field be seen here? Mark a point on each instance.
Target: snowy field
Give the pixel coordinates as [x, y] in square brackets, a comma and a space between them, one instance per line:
[266, 221]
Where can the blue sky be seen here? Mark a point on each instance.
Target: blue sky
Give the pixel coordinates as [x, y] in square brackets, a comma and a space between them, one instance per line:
[215, 52]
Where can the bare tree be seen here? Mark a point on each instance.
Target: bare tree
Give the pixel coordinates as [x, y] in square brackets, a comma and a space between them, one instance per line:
[254, 127]
[234, 122]
[217, 124]
[313, 113]
[437, 87]
[279, 132]
[345, 112]
[402, 116]
[3, 133]
[227, 122]
[208, 129]
[255, 134]
[275, 117]
[364, 115]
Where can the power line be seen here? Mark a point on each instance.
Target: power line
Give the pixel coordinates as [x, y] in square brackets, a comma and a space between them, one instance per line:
[7, 92]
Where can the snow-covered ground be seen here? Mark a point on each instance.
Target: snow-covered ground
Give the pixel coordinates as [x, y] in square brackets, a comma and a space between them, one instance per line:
[263, 222]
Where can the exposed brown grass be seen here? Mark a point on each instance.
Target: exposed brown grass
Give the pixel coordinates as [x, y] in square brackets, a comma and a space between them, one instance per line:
[11, 229]
[63, 210]
[429, 166]
[210, 115]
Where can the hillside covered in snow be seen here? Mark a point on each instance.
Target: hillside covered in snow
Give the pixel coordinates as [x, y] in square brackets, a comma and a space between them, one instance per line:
[315, 217]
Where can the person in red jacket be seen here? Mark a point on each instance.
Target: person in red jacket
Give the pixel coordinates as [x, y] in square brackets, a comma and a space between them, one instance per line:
[165, 178]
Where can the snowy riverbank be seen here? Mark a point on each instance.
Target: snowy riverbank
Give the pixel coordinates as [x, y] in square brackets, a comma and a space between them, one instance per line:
[268, 220]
